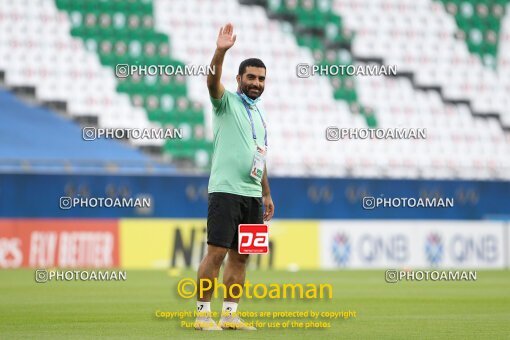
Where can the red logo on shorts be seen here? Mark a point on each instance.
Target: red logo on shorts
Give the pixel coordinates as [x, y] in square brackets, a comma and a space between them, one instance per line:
[253, 239]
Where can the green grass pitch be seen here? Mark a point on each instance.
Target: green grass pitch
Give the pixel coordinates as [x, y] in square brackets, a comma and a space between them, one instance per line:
[405, 310]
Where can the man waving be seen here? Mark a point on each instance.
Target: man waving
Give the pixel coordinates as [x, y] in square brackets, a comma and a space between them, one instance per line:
[238, 186]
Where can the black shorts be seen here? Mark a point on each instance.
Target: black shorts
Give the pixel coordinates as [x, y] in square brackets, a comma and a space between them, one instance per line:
[226, 212]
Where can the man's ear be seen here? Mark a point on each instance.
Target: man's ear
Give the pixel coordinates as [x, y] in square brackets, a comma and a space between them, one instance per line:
[238, 78]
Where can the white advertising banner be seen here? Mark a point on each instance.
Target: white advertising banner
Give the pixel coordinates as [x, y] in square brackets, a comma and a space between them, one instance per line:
[413, 244]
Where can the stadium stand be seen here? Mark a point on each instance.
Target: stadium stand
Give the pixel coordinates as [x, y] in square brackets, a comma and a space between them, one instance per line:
[122, 33]
[420, 37]
[319, 29]
[457, 92]
[299, 110]
[41, 53]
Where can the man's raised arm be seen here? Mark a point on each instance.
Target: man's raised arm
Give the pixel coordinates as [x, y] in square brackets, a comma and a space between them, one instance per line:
[226, 40]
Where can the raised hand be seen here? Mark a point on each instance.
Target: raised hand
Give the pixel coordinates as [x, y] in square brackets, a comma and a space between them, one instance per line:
[225, 38]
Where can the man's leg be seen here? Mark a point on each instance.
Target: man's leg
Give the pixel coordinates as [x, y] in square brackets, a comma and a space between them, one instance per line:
[223, 217]
[234, 273]
[235, 268]
[209, 269]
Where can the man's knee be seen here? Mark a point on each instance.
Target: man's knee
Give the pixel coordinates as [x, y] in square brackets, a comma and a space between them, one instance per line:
[216, 254]
[236, 258]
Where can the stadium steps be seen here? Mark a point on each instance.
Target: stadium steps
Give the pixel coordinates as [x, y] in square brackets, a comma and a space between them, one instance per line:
[482, 90]
[317, 28]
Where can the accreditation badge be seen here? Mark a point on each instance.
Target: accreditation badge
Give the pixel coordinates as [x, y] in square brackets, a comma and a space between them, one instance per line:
[259, 161]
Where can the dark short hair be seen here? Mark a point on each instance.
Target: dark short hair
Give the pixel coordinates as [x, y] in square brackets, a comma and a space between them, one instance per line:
[250, 62]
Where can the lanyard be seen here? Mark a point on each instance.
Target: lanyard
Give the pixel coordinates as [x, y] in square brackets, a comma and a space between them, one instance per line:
[251, 120]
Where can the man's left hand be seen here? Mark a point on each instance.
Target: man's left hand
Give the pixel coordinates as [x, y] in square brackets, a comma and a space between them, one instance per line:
[268, 207]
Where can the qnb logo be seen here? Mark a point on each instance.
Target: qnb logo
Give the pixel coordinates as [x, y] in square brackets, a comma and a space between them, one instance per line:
[434, 249]
[482, 249]
[377, 248]
[253, 239]
[341, 249]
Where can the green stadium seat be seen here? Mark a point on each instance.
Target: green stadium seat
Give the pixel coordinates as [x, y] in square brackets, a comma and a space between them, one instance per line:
[477, 19]
[321, 31]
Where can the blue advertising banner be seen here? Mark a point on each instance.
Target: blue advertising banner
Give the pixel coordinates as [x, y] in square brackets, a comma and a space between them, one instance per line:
[113, 196]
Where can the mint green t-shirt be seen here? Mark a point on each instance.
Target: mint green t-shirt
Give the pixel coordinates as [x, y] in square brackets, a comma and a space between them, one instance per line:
[234, 147]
